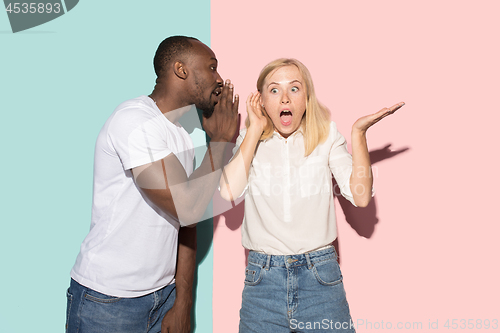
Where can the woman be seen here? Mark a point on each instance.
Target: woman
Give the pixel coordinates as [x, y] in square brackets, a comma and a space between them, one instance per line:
[285, 159]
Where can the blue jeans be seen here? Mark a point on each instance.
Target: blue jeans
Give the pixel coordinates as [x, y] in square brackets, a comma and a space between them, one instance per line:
[294, 293]
[91, 312]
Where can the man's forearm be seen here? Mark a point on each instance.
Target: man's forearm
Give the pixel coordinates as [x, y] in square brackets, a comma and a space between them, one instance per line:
[178, 318]
[166, 184]
[186, 266]
[192, 197]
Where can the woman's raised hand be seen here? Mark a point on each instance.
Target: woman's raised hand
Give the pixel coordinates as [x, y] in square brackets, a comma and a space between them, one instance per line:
[255, 113]
[364, 123]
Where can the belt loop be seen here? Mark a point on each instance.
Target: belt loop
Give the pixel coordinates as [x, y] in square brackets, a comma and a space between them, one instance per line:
[268, 263]
[309, 263]
[335, 253]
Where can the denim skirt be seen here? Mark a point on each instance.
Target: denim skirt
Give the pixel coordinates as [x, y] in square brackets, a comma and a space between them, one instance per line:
[294, 293]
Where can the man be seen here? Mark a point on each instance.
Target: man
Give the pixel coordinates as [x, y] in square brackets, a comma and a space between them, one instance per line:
[145, 189]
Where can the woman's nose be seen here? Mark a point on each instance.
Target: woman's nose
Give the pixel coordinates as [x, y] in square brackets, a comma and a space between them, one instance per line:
[285, 99]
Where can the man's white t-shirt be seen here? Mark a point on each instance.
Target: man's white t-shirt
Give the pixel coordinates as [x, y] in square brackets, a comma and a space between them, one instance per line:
[131, 248]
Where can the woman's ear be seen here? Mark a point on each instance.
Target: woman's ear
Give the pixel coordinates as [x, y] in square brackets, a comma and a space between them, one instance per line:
[180, 70]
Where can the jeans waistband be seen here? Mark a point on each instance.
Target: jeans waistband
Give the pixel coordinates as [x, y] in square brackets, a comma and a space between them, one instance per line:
[307, 258]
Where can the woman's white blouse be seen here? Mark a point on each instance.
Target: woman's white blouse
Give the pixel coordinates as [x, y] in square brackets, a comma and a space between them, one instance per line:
[289, 207]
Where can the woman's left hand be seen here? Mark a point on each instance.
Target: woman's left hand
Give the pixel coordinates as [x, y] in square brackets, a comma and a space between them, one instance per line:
[364, 123]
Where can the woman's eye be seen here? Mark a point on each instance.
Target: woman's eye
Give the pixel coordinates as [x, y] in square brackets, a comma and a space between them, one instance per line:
[274, 90]
[295, 89]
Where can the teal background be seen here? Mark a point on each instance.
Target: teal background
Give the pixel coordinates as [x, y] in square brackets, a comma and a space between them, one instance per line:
[58, 84]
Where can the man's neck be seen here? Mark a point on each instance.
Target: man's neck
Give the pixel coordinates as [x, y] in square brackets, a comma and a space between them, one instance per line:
[170, 106]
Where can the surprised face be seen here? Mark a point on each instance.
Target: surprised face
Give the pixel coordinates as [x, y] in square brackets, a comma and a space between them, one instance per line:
[284, 96]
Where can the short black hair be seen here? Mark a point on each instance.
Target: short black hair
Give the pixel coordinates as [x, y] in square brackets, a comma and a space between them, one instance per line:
[170, 48]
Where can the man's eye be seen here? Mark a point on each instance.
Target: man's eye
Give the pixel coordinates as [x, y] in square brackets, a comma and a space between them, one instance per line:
[274, 90]
[213, 68]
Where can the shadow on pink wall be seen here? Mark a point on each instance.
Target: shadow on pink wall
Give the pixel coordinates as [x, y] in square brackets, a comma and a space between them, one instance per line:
[233, 219]
[363, 220]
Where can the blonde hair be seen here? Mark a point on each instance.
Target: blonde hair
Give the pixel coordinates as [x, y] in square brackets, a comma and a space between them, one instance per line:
[315, 124]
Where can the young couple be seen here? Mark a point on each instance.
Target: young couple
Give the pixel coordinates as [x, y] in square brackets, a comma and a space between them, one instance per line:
[146, 194]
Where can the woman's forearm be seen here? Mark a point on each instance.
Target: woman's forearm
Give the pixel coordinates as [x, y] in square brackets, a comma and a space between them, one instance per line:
[235, 174]
[361, 180]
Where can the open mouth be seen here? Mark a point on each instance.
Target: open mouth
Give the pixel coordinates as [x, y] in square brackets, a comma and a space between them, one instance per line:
[217, 91]
[286, 117]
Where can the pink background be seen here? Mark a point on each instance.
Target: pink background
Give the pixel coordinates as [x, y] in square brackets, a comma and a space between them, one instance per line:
[426, 248]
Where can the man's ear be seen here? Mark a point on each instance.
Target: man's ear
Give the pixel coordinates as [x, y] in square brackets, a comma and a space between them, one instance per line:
[180, 70]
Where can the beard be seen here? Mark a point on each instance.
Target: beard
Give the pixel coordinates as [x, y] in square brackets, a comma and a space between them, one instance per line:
[205, 105]
[207, 111]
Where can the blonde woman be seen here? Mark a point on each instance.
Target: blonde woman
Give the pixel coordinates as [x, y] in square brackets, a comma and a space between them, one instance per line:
[285, 159]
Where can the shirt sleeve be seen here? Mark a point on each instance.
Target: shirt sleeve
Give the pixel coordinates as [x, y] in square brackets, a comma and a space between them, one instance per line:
[138, 137]
[340, 162]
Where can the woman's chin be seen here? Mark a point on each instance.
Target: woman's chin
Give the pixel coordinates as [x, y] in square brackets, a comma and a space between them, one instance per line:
[286, 131]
